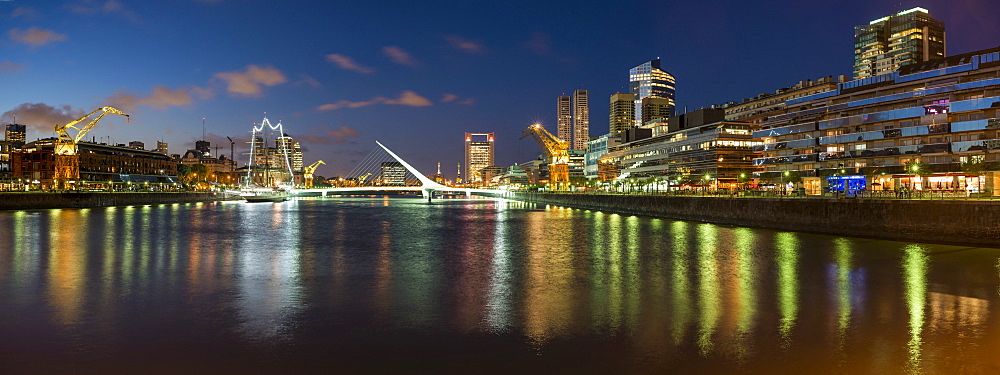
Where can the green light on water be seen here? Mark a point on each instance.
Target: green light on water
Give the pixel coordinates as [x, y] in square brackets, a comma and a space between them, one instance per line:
[708, 287]
[787, 258]
[914, 266]
[842, 257]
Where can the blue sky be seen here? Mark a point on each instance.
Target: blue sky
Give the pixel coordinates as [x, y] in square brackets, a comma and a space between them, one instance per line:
[414, 75]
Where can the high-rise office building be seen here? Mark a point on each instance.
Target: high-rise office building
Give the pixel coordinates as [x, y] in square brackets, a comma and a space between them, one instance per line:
[581, 120]
[656, 109]
[888, 43]
[294, 150]
[16, 134]
[479, 154]
[622, 111]
[393, 173]
[564, 118]
[162, 147]
[648, 80]
[204, 146]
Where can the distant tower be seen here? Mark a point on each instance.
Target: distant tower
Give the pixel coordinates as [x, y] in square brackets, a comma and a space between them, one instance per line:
[622, 113]
[648, 80]
[162, 147]
[479, 153]
[564, 119]
[16, 134]
[439, 168]
[581, 120]
[293, 148]
[458, 177]
[888, 43]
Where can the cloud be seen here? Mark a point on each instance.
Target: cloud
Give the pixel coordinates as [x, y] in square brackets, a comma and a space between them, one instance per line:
[339, 135]
[161, 98]
[452, 98]
[109, 7]
[35, 37]
[308, 81]
[540, 44]
[470, 46]
[348, 63]
[41, 117]
[23, 11]
[8, 66]
[407, 98]
[249, 82]
[399, 56]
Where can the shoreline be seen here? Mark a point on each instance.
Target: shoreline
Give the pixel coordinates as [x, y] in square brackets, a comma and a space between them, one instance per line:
[11, 201]
[954, 222]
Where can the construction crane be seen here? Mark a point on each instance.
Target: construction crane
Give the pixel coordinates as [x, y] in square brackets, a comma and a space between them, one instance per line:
[558, 151]
[362, 179]
[66, 149]
[308, 175]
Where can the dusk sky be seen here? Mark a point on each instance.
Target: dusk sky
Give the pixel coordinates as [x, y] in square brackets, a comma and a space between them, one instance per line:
[414, 75]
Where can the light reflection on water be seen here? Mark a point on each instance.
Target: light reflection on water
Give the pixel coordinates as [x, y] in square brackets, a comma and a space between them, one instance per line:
[527, 284]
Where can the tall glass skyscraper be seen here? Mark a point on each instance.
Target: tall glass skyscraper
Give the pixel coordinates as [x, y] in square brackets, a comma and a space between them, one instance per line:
[479, 154]
[564, 119]
[581, 120]
[650, 81]
[888, 43]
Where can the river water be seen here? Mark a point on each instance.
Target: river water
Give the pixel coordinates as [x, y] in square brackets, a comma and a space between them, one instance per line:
[351, 285]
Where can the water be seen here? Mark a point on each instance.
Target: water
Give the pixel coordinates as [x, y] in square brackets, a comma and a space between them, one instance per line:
[397, 285]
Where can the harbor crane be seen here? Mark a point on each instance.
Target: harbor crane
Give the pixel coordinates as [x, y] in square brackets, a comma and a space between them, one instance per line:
[66, 148]
[558, 152]
[309, 171]
[361, 180]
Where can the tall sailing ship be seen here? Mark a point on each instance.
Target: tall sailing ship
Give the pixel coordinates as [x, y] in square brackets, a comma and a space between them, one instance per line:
[266, 188]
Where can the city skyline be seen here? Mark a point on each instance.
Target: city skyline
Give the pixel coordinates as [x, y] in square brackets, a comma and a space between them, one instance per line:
[339, 81]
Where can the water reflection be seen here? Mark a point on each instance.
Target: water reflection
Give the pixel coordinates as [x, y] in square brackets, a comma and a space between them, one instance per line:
[915, 265]
[510, 277]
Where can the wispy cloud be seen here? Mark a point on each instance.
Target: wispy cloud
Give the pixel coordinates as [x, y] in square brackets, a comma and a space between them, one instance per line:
[161, 98]
[41, 117]
[540, 43]
[338, 135]
[23, 11]
[348, 63]
[407, 98]
[452, 98]
[8, 66]
[467, 45]
[305, 80]
[35, 37]
[250, 81]
[109, 7]
[399, 56]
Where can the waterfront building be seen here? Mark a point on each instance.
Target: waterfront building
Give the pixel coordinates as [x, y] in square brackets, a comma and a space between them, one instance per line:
[533, 170]
[514, 176]
[16, 134]
[487, 174]
[928, 126]
[6, 178]
[393, 173]
[220, 169]
[101, 166]
[758, 109]
[137, 145]
[479, 154]
[596, 149]
[648, 80]
[564, 118]
[897, 40]
[581, 120]
[622, 113]
[700, 148]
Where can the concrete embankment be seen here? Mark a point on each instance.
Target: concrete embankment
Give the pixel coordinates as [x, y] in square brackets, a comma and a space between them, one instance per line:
[38, 200]
[960, 222]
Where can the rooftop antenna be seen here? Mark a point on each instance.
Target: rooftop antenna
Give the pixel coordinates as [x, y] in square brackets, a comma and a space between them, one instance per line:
[203, 128]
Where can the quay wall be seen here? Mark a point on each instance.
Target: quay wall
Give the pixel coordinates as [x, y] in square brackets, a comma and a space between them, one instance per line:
[44, 200]
[972, 222]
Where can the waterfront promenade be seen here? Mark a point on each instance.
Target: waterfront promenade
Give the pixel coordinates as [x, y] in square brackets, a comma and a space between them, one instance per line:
[956, 221]
[73, 199]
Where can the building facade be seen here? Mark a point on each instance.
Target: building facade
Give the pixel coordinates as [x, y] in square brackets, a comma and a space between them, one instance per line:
[700, 149]
[16, 134]
[928, 126]
[622, 113]
[101, 166]
[564, 118]
[393, 173]
[581, 120]
[648, 80]
[894, 41]
[479, 154]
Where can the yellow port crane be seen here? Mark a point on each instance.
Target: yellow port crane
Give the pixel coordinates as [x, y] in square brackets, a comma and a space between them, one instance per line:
[558, 151]
[308, 175]
[66, 149]
[361, 180]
